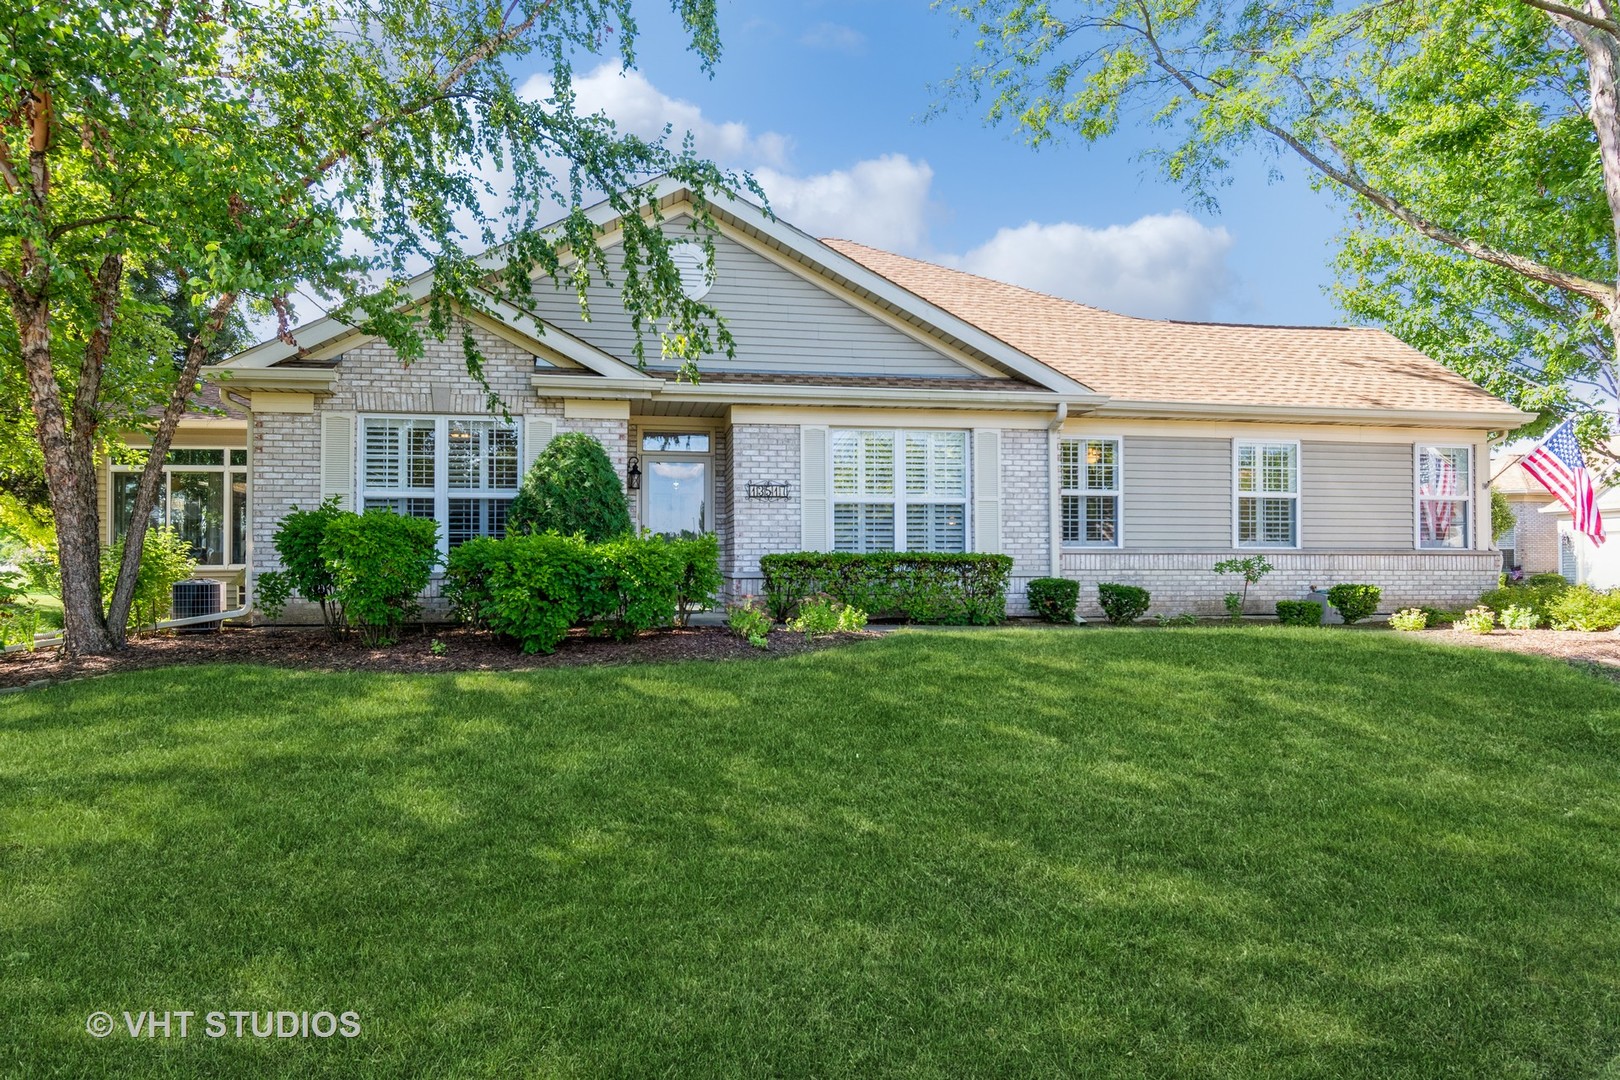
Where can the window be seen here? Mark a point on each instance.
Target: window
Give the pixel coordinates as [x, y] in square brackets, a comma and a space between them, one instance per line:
[1089, 481]
[1444, 491]
[899, 490]
[1267, 494]
[203, 497]
[462, 473]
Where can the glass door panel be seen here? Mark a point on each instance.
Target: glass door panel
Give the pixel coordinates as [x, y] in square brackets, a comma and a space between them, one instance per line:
[678, 497]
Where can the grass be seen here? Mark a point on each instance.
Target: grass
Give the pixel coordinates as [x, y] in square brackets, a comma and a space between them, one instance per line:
[1205, 852]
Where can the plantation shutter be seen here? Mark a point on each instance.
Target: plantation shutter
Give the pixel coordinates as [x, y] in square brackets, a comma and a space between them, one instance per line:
[337, 457]
[814, 519]
[104, 500]
[986, 490]
[537, 432]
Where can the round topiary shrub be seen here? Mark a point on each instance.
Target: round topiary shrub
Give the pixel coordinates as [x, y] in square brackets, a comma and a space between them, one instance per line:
[572, 489]
[1054, 599]
[1354, 602]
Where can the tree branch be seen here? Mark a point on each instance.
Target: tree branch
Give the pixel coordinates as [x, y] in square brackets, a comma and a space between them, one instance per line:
[104, 298]
[1598, 22]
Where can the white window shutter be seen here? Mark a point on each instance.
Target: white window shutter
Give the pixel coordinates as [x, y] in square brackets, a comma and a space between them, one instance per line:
[537, 433]
[337, 458]
[815, 527]
[986, 490]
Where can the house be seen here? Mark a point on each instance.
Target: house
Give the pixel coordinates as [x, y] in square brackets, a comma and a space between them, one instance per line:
[1580, 560]
[879, 402]
[1532, 546]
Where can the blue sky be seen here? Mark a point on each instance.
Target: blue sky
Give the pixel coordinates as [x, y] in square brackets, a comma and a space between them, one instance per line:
[824, 100]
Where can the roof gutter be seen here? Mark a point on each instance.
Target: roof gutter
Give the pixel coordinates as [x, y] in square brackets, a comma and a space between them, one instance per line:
[1493, 420]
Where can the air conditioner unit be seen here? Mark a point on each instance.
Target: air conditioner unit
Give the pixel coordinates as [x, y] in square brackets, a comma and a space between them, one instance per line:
[199, 596]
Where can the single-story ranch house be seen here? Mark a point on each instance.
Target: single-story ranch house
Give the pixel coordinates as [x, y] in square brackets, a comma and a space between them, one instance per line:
[877, 402]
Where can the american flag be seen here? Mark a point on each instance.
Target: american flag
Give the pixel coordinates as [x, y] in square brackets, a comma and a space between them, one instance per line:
[1557, 463]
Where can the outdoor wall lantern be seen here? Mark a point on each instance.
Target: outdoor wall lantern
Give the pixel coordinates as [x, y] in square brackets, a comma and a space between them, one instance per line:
[632, 475]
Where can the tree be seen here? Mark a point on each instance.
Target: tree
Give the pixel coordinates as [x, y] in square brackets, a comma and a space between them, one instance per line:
[1478, 146]
[240, 151]
[572, 489]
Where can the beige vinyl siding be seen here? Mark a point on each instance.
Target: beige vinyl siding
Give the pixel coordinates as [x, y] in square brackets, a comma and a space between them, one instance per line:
[1356, 496]
[1178, 493]
[782, 323]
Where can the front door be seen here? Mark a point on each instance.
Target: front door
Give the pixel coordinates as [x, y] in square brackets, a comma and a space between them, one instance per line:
[678, 496]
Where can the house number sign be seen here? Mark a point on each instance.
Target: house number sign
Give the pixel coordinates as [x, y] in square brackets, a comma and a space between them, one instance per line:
[772, 490]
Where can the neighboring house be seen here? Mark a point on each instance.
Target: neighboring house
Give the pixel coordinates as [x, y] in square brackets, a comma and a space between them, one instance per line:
[1579, 559]
[1532, 545]
[877, 402]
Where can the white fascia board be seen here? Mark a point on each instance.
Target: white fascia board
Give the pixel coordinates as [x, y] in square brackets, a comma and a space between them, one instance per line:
[893, 396]
[1504, 420]
[593, 386]
[309, 380]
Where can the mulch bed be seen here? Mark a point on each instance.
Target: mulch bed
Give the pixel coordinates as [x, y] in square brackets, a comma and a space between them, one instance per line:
[1599, 652]
[464, 650]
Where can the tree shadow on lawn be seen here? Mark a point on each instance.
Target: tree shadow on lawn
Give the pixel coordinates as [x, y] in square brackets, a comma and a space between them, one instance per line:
[1168, 852]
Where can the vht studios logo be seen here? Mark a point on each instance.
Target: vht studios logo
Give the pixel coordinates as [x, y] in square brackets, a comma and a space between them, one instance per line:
[219, 1024]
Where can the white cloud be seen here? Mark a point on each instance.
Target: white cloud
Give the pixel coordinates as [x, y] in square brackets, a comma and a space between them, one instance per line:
[1168, 266]
[835, 37]
[640, 108]
[882, 201]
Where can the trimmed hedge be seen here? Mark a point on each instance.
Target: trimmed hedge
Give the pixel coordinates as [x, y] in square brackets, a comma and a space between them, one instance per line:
[380, 562]
[921, 587]
[1123, 604]
[1354, 602]
[1299, 613]
[1054, 599]
[534, 588]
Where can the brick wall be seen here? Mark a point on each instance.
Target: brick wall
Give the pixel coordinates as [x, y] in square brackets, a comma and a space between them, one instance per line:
[1185, 581]
[1026, 510]
[1535, 536]
[761, 453]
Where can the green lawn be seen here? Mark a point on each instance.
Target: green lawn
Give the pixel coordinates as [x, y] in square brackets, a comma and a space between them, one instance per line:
[1206, 852]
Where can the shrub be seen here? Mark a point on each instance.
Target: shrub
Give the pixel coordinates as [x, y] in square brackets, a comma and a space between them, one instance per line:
[748, 620]
[571, 488]
[1054, 599]
[1440, 616]
[1299, 613]
[923, 587]
[1234, 606]
[165, 562]
[1520, 618]
[19, 616]
[1184, 618]
[1252, 568]
[1123, 604]
[700, 581]
[638, 585]
[1536, 593]
[1476, 620]
[1354, 602]
[304, 569]
[527, 588]
[1409, 619]
[1584, 608]
[380, 562]
[822, 615]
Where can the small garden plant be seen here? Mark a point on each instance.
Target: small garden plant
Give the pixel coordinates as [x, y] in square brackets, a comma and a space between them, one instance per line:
[1476, 620]
[1299, 613]
[1183, 618]
[1123, 604]
[1409, 619]
[1054, 599]
[822, 615]
[1354, 602]
[1251, 568]
[1582, 607]
[1515, 617]
[748, 619]
[165, 562]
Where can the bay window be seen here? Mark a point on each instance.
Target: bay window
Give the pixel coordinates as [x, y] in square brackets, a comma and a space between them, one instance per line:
[203, 497]
[1444, 496]
[1267, 494]
[1090, 487]
[461, 473]
[899, 490]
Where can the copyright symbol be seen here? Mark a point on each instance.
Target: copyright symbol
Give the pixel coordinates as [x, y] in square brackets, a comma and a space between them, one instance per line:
[99, 1024]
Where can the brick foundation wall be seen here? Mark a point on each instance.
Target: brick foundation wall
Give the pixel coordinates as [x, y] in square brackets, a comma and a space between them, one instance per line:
[1185, 582]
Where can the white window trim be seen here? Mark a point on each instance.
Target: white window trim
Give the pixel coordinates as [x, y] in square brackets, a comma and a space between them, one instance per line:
[441, 493]
[1118, 493]
[1469, 522]
[164, 495]
[900, 500]
[1297, 496]
[708, 457]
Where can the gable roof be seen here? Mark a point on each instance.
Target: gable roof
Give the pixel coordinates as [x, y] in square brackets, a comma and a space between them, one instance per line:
[1217, 364]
